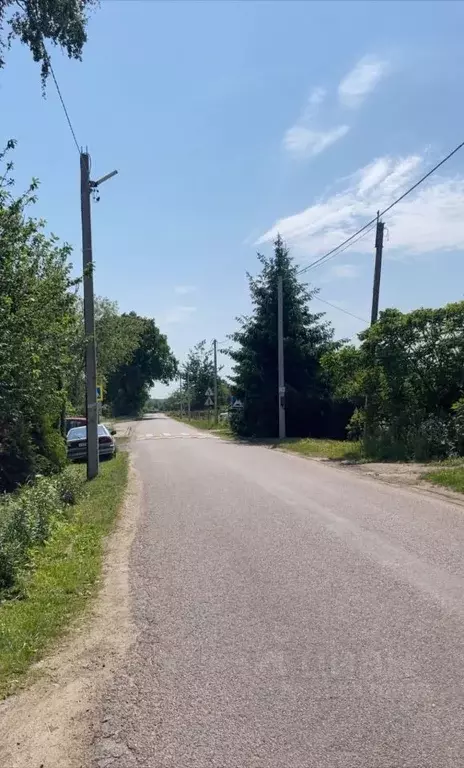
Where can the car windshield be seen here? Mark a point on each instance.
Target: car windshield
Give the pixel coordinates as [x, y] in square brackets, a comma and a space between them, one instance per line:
[80, 433]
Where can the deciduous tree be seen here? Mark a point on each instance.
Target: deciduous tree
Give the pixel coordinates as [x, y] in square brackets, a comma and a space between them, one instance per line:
[35, 22]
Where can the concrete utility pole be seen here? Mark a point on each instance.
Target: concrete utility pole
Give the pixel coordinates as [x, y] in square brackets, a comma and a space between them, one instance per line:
[280, 356]
[188, 394]
[181, 394]
[215, 381]
[89, 315]
[377, 269]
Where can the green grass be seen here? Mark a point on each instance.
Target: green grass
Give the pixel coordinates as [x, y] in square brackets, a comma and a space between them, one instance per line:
[329, 449]
[222, 428]
[336, 450]
[449, 478]
[65, 574]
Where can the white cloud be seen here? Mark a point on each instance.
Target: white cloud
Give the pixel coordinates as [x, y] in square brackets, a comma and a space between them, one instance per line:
[304, 141]
[182, 290]
[317, 96]
[306, 138]
[178, 314]
[344, 270]
[430, 219]
[358, 83]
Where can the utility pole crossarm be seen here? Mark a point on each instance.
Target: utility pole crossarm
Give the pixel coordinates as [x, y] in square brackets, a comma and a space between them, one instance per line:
[95, 184]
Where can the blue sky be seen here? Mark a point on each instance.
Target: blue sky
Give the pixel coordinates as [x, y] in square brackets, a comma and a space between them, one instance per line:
[230, 121]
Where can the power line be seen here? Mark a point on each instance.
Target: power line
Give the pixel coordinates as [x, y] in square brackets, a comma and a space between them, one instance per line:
[348, 240]
[362, 319]
[342, 250]
[63, 104]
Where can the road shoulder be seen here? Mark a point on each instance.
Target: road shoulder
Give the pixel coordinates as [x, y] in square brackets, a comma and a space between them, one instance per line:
[50, 723]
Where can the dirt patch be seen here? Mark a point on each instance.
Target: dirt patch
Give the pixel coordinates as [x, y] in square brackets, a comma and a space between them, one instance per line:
[400, 473]
[49, 725]
[410, 475]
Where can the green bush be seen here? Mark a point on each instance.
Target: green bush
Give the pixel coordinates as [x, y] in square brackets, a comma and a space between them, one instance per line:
[356, 425]
[26, 520]
[457, 410]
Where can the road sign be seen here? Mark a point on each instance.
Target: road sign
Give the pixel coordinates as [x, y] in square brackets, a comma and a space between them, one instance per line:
[237, 404]
[99, 393]
[209, 392]
[208, 401]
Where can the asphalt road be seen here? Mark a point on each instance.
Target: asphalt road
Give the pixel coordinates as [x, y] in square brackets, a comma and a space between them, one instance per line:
[289, 614]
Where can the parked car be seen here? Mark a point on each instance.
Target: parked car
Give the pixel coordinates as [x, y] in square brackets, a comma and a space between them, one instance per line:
[75, 421]
[77, 443]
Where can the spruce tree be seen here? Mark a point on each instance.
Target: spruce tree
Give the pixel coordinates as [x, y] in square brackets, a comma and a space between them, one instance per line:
[306, 337]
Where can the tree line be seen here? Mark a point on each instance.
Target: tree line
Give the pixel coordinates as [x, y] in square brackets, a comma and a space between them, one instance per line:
[196, 379]
[399, 389]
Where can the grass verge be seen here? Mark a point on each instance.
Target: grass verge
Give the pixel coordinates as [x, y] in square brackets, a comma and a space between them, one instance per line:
[64, 575]
[337, 450]
[222, 428]
[452, 478]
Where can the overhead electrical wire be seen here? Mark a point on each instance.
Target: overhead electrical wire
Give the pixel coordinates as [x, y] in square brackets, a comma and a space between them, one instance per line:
[340, 309]
[349, 240]
[63, 104]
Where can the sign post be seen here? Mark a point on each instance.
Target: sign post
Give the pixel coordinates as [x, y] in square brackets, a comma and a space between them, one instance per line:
[209, 398]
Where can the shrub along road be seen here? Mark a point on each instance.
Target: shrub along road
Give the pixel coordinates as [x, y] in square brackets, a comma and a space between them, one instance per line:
[288, 613]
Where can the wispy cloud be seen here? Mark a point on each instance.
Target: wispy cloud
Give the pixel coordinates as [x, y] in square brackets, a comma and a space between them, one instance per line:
[178, 314]
[306, 138]
[317, 96]
[309, 136]
[358, 83]
[428, 220]
[305, 141]
[183, 290]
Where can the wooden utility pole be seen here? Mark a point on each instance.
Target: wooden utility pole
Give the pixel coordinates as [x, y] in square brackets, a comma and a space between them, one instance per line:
[280, 357]
[377, 269]
[89, 315]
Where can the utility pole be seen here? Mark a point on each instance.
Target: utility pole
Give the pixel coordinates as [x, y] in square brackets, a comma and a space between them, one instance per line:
[377, 269]
[375, 301]
[280, 357]
[215, 381]
[181, 394]
[188, 394]
[89, 315]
